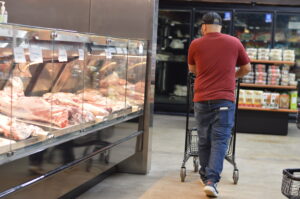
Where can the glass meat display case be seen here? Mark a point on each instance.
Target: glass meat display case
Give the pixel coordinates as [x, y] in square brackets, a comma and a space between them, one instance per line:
[55, 84]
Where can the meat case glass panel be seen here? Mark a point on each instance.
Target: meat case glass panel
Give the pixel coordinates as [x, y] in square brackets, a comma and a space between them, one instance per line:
[109, 78]
[95, 97]
[136, 74]
[6, 67]
[68, 85]
[226, 23]
[254, 29]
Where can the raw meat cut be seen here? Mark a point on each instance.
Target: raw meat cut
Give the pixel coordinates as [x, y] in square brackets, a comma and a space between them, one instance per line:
[18, 130]
[35, 108]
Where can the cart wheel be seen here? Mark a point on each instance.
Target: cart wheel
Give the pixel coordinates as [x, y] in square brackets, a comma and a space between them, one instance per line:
[196, 164]
[235, 176]
[182, 174]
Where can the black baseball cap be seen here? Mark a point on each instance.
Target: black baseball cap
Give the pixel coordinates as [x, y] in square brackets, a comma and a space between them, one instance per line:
[211, 18]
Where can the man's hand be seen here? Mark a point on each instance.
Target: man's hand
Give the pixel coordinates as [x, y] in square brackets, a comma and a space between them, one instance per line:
[192, 69]
[243, 70]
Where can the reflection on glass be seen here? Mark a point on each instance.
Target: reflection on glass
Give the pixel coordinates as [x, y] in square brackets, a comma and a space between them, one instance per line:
[226, 23]
[287, 33]
[136, 74]
[254, 29]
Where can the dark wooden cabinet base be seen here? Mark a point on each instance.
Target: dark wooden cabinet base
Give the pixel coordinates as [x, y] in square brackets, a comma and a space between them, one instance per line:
[262, 122]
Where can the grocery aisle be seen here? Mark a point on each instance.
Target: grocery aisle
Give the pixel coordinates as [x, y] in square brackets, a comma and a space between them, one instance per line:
[260, 159]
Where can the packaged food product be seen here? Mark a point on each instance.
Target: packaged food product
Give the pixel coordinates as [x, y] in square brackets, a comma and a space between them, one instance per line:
[258, 98]
[266, 100]
[293, 100]
[284, 101]
[274, 100]
[242, 98]
[249, 98]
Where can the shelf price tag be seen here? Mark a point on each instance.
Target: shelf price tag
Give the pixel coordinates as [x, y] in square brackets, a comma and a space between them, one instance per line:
[35, 54]
[62, 55]
[141, 48]
[81, 54]
[125, 51]
[19, 55]
[108, 53]
[119, 51]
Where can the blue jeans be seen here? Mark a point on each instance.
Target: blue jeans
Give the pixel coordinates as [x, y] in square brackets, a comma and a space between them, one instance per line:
[214, 125]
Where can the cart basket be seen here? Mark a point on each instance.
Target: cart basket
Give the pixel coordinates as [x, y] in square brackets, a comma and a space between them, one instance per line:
[291, 183]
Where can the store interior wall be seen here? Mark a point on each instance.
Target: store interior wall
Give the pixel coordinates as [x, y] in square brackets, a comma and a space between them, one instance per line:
[126, 18]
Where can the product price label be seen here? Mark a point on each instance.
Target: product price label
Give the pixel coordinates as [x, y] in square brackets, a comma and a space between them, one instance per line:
[81, 54]
[108, 53]
[141, 48]
[36, 55]
[19, 55]
[125, 50]
[119, 51]
[62, 55]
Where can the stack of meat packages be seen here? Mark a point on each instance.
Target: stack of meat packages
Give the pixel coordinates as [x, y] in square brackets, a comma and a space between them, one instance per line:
[274, 75]
[260, 74]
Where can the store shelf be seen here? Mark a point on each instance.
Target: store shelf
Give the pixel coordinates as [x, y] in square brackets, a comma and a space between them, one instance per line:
[268, 86]
[269, 110]
[272, 62]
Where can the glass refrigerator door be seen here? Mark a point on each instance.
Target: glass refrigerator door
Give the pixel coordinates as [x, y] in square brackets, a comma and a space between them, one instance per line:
[173, 40]
[287, 36]
[6, 68]
[254, 29]
[226, 22]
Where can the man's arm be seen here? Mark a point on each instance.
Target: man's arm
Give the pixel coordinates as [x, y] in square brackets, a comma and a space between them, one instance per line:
[192, 68]
[243, 70]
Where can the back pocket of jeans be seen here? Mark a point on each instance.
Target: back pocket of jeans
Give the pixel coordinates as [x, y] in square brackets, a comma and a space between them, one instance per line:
[225, 116]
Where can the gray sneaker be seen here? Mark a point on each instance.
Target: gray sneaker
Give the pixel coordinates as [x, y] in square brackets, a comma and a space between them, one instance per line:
[211, 189]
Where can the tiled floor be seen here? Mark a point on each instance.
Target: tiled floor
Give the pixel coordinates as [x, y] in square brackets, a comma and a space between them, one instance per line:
[260, 159]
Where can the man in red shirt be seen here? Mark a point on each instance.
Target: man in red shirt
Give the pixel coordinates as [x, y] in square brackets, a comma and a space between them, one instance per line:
[212, 58]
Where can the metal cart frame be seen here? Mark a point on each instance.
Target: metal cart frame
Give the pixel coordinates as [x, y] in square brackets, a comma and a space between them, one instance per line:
[191, 137]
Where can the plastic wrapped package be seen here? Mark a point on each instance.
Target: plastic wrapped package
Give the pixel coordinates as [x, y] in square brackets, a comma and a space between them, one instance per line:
[293, 83]
[260, 68]
[284, 101]
[276, 54]
[289, 55]
[263, 54]
[252, 53]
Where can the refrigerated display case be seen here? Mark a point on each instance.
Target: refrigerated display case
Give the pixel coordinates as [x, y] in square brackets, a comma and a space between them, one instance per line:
[254, 29]
[57, 86]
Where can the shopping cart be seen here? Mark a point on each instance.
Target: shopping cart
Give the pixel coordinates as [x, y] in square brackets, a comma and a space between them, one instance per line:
[191, 137]
[291, 183]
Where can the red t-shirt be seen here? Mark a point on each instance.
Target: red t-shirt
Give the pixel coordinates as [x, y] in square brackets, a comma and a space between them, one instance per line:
[215, 56]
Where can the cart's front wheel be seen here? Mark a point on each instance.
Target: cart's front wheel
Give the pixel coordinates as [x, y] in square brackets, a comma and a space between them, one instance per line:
[182, 174]
[196, 164]
[235, 176]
